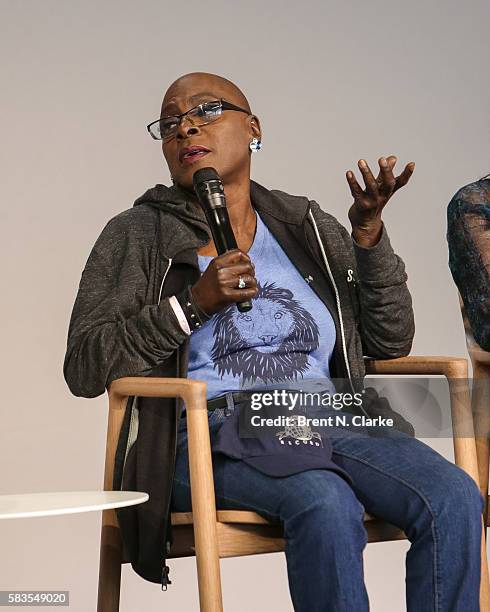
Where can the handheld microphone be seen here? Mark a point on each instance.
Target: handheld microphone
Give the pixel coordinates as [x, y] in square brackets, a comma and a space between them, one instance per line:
[211, 195]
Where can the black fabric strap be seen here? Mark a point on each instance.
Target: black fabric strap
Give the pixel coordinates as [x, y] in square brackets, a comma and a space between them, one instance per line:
[196, 317]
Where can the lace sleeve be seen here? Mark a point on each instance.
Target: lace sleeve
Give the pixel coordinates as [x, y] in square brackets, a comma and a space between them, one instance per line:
[468, 236]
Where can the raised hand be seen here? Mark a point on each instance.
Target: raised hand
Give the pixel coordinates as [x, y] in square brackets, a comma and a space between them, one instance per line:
[365, 212]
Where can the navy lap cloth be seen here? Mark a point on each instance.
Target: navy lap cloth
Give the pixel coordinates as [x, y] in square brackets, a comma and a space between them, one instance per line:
[275, 451]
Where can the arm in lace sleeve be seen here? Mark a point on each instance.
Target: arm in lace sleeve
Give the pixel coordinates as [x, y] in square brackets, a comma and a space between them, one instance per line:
[468, 236]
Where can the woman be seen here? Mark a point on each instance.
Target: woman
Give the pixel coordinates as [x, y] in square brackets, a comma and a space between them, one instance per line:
[156, 299]
[468, 236]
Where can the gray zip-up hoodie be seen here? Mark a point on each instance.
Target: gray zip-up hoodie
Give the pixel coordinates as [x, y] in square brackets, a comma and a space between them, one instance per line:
[123, 324]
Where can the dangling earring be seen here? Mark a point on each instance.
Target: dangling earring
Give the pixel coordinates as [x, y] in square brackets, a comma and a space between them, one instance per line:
[255, 145]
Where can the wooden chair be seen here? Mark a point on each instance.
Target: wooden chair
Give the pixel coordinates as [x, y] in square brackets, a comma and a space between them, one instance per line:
[211, 535]
[480, 400]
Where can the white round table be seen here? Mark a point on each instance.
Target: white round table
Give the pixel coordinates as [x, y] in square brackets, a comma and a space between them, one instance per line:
[26, 505]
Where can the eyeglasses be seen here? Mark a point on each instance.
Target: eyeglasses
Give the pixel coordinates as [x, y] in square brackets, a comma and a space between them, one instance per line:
[207, 112]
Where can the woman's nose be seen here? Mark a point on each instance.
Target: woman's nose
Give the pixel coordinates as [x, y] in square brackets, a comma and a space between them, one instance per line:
[186, 128]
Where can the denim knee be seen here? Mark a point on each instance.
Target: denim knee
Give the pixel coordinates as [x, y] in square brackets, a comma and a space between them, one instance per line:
[470, 493]
[459, 494]
[332, 520]
[330, 497]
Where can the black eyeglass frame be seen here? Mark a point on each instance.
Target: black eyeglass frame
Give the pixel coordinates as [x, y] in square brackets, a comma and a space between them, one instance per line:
[224, 106]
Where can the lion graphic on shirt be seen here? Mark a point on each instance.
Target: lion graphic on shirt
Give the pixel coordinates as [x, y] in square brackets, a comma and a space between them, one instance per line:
[269, 343]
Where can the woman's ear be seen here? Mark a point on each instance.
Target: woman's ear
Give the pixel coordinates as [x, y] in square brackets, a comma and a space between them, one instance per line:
[255, 127]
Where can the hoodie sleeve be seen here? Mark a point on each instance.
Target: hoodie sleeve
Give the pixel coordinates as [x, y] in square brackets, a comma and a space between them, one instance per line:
[112, 333]
[386, 313]
[386, 318]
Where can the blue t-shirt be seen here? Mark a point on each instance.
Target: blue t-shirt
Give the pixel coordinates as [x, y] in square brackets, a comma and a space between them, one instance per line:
[284, 342]
[287, 336]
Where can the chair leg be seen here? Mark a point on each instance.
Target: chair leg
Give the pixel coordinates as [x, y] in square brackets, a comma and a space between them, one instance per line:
[481, 419]
[465, 457]
[485, 580]
[203, 506]
[483, 452]
[209, 580]
[110, 564]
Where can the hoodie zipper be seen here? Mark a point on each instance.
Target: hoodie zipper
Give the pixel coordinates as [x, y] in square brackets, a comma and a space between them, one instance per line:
[165, 580]
[164, 277]
[132, 431]
[132, 427]
[165, 568]
[337, 300]
[337, 297]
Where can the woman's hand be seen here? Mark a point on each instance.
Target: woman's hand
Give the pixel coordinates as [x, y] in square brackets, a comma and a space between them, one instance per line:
[218, 285]
[365, 212]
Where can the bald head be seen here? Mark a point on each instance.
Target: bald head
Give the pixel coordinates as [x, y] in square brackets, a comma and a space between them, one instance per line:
[194, 84]
[227, 138]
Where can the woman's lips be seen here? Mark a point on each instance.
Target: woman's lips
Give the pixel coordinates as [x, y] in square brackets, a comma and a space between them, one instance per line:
[187, 161]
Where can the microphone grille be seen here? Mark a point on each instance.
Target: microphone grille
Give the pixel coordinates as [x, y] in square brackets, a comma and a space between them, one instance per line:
[204, 174]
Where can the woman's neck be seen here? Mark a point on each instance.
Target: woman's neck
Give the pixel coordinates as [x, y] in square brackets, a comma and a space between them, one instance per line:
[242, 218]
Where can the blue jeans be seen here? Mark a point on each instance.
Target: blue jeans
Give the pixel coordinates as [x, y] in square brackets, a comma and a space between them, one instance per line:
[397, 478]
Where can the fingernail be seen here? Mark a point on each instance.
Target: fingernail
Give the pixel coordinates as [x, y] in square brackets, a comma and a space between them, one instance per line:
[349, 174]
[383, 161]
[362, 163]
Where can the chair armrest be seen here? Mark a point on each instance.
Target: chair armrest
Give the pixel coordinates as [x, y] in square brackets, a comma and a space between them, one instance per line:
[193, 392]
[451, 367]
[455, 369]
